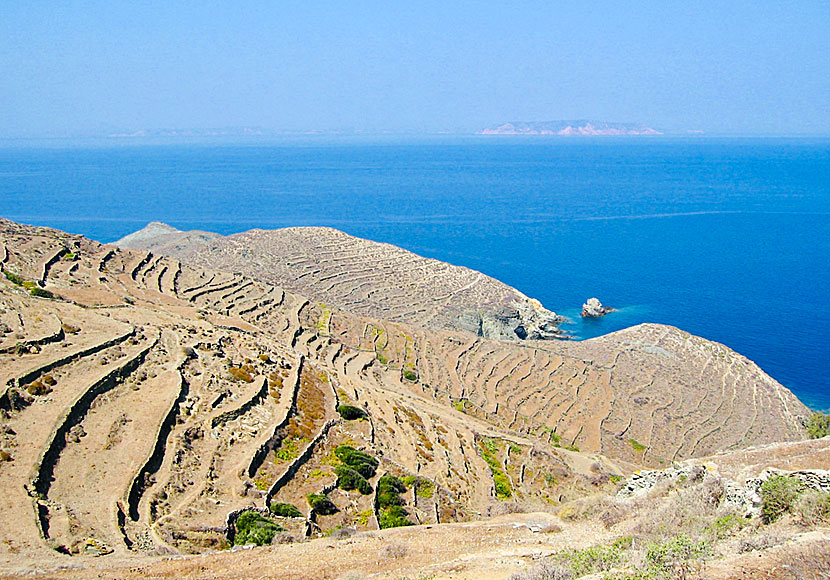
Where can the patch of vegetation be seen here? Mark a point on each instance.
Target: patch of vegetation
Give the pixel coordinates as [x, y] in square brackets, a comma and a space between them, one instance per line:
[638, 447]
[813, 507]
[778, 496]
[363, 517]
[252, 528]
[725, 526]
[594, 559]
[70, 256]
[322, 504]
[242, 373]
[410, 375]
[13, 278]
[501, 482]
[286, 510]
[350, 412]
[424, 488]
[394, 517]
[37, 388]
[41, 293]
[674, 553]
[363, 463]
[572, 447]
[349, 479]
[389, 490]
[818, 425]
[289, 448]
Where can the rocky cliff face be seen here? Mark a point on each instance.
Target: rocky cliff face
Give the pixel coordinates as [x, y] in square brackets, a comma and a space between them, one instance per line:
[364, 277]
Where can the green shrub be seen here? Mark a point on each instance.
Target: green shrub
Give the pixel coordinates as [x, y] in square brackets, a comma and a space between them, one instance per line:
[285, 510]
[410, 375]
[778, 495]
[360, 461]
[350, 412]
[322, 504]
[593, 559]
[636, 445]
[424, 488]
[389, 498]
[252, 528]
[681, 548]
[818, 425]
[392, 484]
[394, 517]
[70, 256]
[349, 479]
[13, 278]
[41, 293]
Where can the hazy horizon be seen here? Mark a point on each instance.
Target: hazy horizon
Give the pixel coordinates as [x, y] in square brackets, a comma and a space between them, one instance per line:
[95, 68]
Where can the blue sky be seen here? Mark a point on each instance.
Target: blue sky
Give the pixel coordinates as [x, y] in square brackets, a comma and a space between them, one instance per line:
[75, 67]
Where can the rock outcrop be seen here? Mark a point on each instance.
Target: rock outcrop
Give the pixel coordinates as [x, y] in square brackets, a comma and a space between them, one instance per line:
[593, 308]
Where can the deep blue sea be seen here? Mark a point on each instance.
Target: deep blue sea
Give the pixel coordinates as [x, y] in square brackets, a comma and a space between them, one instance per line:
[726, 238]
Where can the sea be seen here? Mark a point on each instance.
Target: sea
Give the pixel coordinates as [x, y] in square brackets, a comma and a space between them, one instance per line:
[725, 238]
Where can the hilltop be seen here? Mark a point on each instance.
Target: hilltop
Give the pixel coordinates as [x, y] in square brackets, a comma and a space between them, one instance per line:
[149, 401]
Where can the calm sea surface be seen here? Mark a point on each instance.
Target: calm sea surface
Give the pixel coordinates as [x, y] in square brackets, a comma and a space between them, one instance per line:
[727, 239]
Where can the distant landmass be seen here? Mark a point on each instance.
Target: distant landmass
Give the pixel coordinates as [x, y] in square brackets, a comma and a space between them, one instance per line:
[582, 127]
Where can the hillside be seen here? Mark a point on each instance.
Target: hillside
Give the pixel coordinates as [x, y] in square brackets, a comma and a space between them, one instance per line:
[146, 401]
[364, 277]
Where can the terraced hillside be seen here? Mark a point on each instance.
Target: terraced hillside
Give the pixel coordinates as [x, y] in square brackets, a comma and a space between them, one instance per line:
[146, 403]
[362, 277]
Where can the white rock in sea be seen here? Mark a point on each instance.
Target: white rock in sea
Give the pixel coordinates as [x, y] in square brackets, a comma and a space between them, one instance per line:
[593, 308]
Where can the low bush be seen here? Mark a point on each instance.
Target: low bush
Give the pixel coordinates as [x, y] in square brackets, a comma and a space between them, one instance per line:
[389, 498]
[13, 278]
[241, 374]
[410, 375]
[37, 388]
[350, 412]
[544, 571]
[252, 528]
[593, 559]
[285, 510]
[674, 552]
[813, 507]
[392, 484]
[322, 504]
[360, 461]
[394, 517]
[349, 479]
[778, 496]
[818, 425]
[41, 293]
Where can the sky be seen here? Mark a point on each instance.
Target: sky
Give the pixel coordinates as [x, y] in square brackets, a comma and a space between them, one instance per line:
[87, 68]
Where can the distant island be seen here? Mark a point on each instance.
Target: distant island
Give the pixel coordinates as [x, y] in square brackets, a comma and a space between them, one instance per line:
[581, 127]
